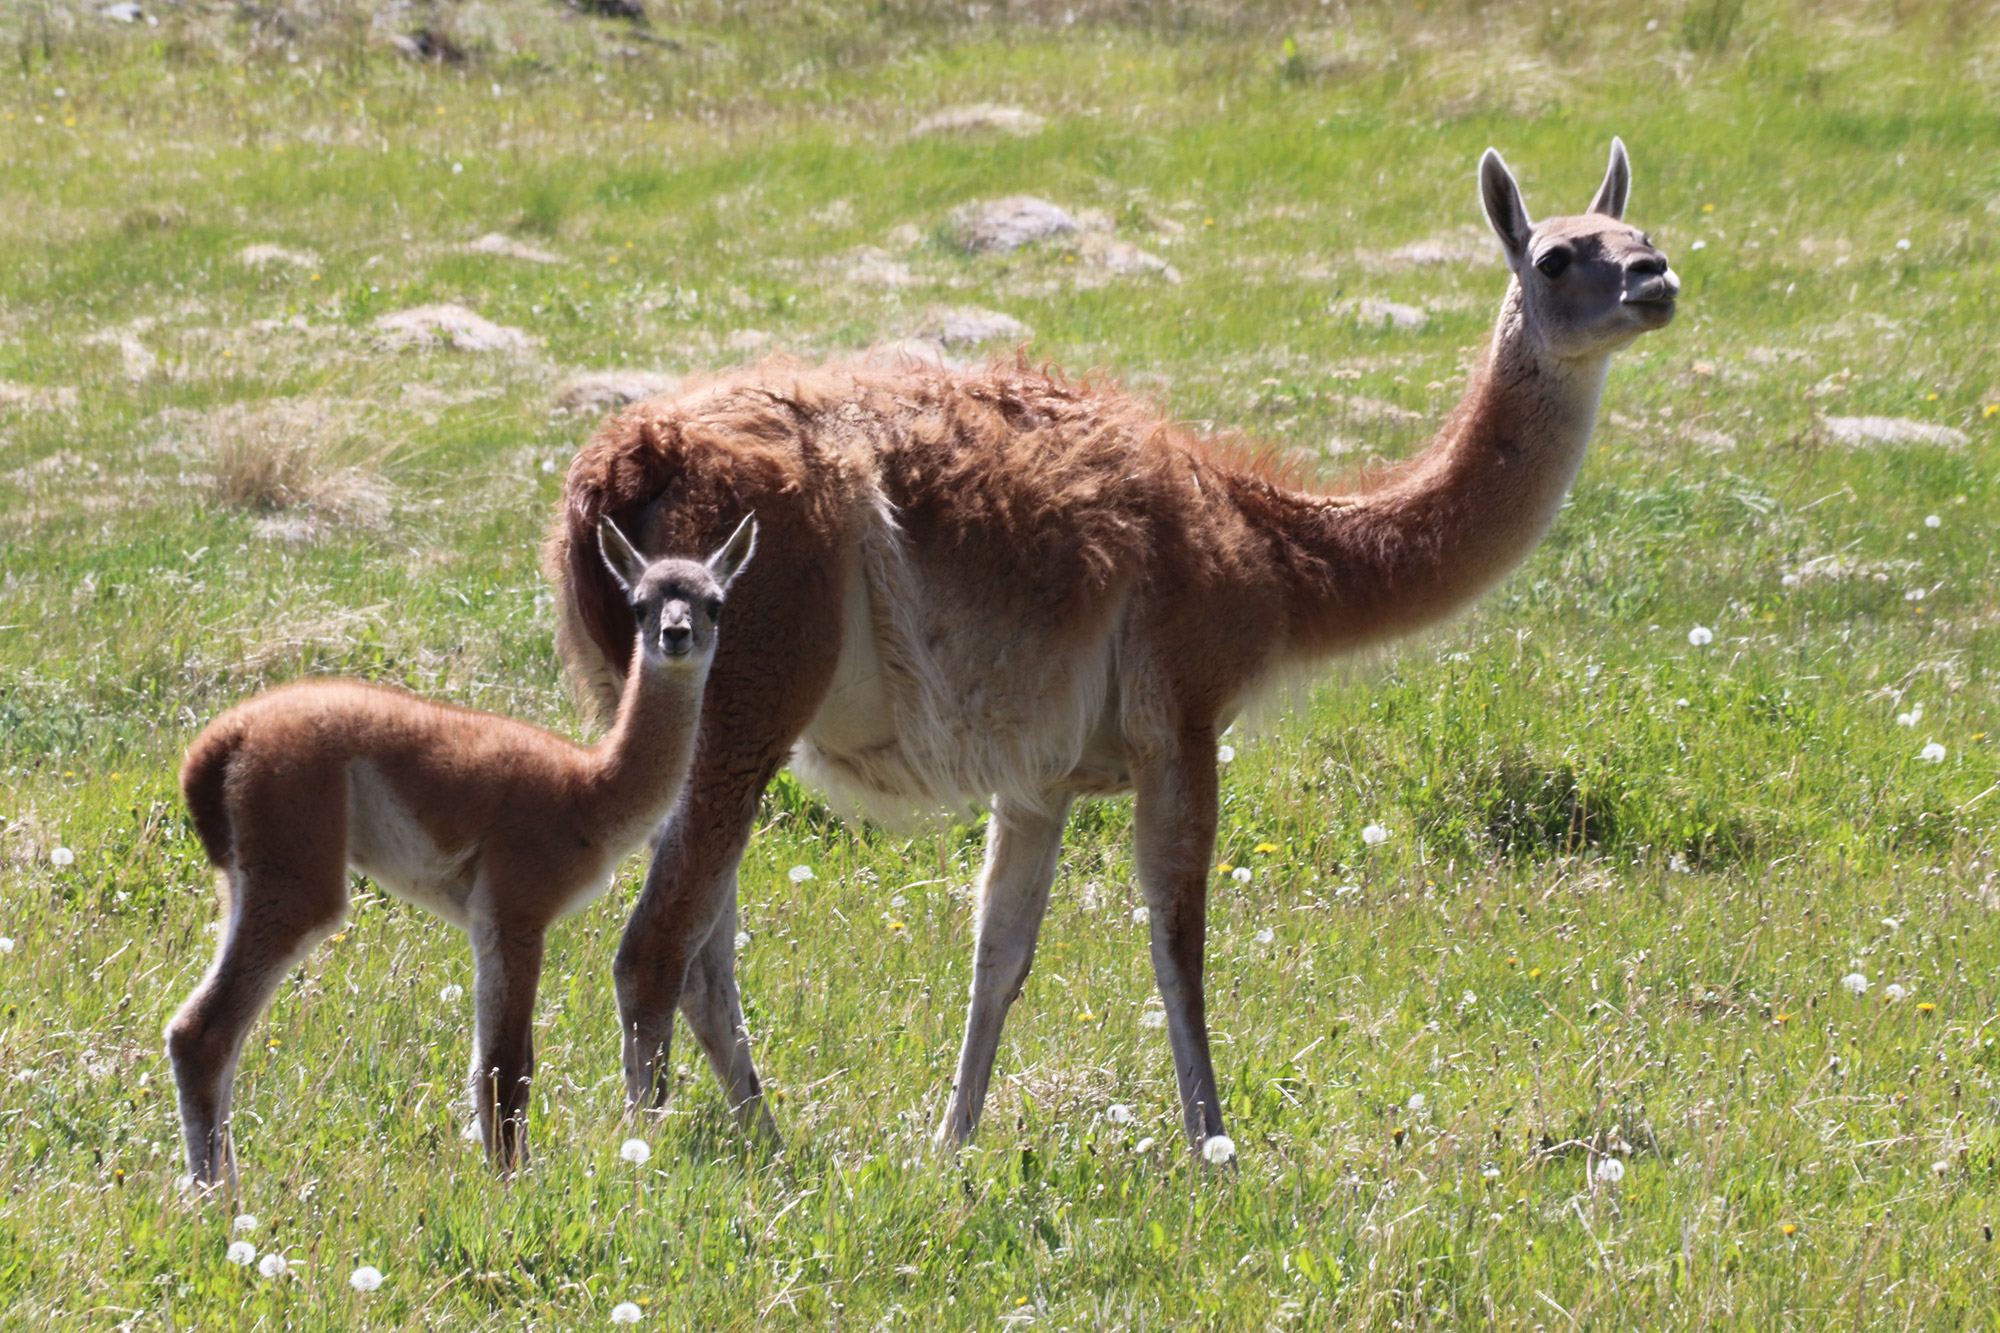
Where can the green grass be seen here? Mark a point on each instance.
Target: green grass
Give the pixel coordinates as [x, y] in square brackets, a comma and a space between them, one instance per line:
[1625, 874]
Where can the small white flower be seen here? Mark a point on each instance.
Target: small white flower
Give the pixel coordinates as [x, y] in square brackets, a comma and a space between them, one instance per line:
[365, 1278]
[1932, 753]
[1891, 923]
[1677, 863]
[1143, 1145]
[1789, 581]
[625, 1313]
[1374, 835]
[1224, 753]
[1854, 983]
[548, 465]
[62, 856]
[1933, 521]
[272, 1265]
[1139, 915]
[241, 1253]
[1418, 1101]
[1491, 1172]
[1701, 636]
[742, 940]
[635, 1151]
[458, 168]
[1698, 245]
[1153, 1018]
[1610, 1171]
[1266, 935]
[899, 902]
[6, 944]
[1903, 244]
[245, 1222]
[1681, 703]
[452, 994]
[1469, 999]
[1911, 718]
[1218, 1150]
[1943, 1169]
[1118, 1113]
[1893, 992]
[798, 875]
[1242, 874]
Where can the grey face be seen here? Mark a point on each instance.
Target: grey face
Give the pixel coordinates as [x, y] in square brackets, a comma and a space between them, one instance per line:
[677, 602]
[1589, 283]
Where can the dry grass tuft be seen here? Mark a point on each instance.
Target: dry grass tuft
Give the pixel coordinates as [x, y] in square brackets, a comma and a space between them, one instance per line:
[299, 454]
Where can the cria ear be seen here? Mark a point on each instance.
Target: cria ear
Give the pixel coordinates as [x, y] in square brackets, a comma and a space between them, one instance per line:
[1504, 209]
[728, 561]
[620, 556]
[1611, 195]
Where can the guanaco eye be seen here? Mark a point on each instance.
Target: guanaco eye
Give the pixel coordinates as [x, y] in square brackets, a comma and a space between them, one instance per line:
[1552, 264]
[714, 608]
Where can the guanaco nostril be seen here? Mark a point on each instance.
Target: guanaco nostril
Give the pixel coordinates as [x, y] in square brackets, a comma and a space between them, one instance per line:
[676, 639]
[1649, 265]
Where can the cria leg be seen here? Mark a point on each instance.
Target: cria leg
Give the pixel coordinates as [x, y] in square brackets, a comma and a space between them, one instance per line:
[507, 966]
[1022, 844]
[714, 1010]
[1173, 833]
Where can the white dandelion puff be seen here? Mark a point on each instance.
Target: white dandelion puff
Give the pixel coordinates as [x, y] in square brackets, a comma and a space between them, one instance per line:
[1118, 1113]
[798, 875]
[1225, 753]
[241, 1253]
[365, 1278]
[1854, 983]
[625, 1313]
[6, 944]
[1933, 521]
[244, 1222]
[1417, 1101]
[1932, 753]
[742, 940]
[1491, 1172]
[1701, 636]
[1219, 1149]
[1903, 244]
[452, 994]
[1942, 1168]
[898, 903]
[1153, 1018]
[1610, 1171]
[1139, 915]
[1266, 935]
[1374, 835]
[635, 1151]
[1789, 581]
[1893, 992]
[1143, 1145]
[272, 1265]
[62, 856]
[1242, 874]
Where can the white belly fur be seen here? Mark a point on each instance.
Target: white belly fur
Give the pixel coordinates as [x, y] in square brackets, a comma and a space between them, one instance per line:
[386, 843]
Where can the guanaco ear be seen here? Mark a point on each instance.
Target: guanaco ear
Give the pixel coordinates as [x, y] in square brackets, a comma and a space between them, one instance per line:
[1611, 195]
[1504, 209]
[620, 556]
[728, 561]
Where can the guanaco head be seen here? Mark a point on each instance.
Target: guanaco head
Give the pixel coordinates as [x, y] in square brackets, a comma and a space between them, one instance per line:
[1589, 284]
[677, 602]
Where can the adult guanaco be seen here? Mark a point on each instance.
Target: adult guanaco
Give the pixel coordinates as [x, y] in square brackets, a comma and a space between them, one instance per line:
[497, 826]
[1000, 587]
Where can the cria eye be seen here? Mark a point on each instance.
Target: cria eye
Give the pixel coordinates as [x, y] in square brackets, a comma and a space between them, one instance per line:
[1552, 264]
[714, 608]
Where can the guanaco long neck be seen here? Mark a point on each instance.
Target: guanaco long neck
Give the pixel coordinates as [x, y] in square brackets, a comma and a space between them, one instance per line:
[636, 770]
[1435, 533]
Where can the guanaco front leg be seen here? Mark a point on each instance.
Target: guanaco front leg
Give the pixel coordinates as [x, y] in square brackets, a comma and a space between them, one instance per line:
[1022, 844]
[1173, 836]
[507, 966]
[714, 1010]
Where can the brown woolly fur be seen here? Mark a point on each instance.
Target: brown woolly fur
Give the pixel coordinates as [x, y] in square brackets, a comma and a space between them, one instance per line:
[497, 826]
[1001, 587]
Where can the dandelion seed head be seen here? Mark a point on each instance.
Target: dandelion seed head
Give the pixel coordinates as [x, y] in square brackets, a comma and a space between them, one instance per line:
[1418, 1101]
[1225, 754]
[1118, 1113]
[452, 994]
[1893, 992]
[6, 944]
[1942, 1169]
[898, 903]
[1139, 915]
[1242, 874]
[1903, 244]
[1374, 835]
[742, 940]
[272, 1265]
[1933, 521]
[241, 1253]
[1491, 1172]
[1701, 636]
[1789, 581]
[1143, 1145]
[798, 875]
[365, 1278]
[1610, 1171]
[635, 1151]
[1933, 753]
[62, 856]
[1266, 935]
[1153, 1018]
[625, 1313]
[244, 1222]
[1854, 983]
[1219, 1149]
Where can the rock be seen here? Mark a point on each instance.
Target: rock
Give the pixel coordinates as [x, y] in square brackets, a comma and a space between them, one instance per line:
[124, 12]
[265, 253]
[1892, 430]
[986, 117]
[604, 390]
[1123, 257]
[968, 326]
[431, 325]
[1005, 225]
[493, 243]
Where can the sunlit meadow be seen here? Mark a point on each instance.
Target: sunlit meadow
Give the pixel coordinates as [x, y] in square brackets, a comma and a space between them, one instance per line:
[1623, 954]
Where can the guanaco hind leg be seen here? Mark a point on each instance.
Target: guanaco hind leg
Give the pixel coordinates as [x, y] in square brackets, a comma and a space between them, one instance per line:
[714, 1011]
[1022, 844]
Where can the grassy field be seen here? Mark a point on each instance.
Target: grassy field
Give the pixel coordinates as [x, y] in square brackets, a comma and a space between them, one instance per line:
[1627, 874]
